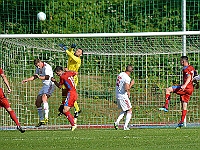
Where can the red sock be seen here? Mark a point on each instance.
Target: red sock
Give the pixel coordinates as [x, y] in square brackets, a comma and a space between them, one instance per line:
[184, 112]
[69, 117]
[14, 118]
[167, 99]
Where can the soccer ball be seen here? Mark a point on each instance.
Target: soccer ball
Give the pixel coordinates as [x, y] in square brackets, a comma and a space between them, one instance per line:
[41, 16]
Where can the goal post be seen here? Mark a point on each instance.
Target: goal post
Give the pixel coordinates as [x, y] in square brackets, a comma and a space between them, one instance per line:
[154, 55]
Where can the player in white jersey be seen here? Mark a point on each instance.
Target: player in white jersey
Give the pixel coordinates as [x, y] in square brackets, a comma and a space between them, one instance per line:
[123, 86]
[44, 72]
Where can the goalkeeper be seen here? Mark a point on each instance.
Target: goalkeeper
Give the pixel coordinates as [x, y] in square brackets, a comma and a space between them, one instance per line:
[73, 64]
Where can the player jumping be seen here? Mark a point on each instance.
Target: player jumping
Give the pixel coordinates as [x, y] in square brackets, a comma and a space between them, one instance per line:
[74, 63]
[66, 79]
[43, 72]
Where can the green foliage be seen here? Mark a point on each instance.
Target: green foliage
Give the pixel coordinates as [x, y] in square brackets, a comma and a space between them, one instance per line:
[67, 16]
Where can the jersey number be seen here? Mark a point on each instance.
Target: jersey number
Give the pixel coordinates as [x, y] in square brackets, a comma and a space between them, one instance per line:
[72, 80]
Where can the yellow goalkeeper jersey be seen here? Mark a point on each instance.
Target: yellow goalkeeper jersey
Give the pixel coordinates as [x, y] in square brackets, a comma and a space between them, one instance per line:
[74, 63]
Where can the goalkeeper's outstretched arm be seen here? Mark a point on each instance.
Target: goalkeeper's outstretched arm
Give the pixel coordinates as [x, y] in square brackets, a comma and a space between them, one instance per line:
[71, 49]
[70, 52]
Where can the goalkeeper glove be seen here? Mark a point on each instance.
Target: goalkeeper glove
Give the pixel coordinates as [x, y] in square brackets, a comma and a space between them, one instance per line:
[63, 46]
[73, 45]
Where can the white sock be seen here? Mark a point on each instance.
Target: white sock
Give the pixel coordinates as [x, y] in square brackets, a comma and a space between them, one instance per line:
[46, 110]
[128, 118]
[121, 115]
[40, 113]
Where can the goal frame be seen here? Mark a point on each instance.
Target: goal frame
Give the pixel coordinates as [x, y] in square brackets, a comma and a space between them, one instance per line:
[85, 35]
[97, 35]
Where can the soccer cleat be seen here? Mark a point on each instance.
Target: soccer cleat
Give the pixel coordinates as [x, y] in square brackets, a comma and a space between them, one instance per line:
[20, 129]
[179, 126]
[126, 128]
[74, 127]
[77, 113]
[163, 109]
[115, 126]
[42, 122]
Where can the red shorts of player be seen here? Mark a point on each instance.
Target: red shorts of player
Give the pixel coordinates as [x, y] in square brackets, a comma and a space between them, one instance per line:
[184, 94]
[70, 99]
[3, 100]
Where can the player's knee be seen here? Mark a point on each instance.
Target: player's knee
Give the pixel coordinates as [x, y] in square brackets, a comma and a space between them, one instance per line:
[9, 109]
[130, 111]
[168, 90]
[44, 97]
[66, 109]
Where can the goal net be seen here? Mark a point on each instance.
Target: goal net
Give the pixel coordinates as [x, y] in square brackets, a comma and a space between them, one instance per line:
[155, 57]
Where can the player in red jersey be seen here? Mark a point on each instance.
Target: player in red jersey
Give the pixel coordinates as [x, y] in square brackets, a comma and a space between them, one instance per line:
[66, 79]
[5, 103]
[185, 90]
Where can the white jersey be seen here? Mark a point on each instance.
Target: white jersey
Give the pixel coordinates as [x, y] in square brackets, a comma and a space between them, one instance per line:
[46, 70]
[122, 79]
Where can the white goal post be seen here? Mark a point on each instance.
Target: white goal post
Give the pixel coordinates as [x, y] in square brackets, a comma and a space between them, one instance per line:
[92, 35]
[154, 55]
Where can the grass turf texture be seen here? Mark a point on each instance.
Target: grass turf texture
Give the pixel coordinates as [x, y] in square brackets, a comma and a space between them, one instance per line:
[102, 139]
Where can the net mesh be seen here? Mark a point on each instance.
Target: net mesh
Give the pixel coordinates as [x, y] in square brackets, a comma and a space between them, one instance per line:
[113, 45]
[155, 58]
[156, 66]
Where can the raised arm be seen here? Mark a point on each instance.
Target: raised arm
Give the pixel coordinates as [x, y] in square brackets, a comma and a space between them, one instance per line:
[75, 58]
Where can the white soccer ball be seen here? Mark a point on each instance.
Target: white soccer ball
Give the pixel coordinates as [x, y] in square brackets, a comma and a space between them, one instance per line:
[41, 16]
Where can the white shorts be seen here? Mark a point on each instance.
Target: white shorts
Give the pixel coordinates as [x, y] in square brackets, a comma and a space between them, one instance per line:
[47, 89]
[124, 103]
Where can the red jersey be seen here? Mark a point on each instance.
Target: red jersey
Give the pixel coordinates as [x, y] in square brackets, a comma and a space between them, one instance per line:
[67, 80]
[1, 71]
[188, 70]
[3, 100]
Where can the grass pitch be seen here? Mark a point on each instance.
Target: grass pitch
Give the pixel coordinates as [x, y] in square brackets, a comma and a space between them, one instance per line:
[101, 139]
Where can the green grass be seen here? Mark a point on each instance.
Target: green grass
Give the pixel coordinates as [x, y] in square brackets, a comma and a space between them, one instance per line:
[102, 139]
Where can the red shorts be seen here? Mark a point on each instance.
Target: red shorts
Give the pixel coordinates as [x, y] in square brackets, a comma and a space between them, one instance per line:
[70, 99]
[3, 100]
[185, 95]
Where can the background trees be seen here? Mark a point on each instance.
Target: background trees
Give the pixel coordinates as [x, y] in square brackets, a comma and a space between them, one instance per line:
[96, 16]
